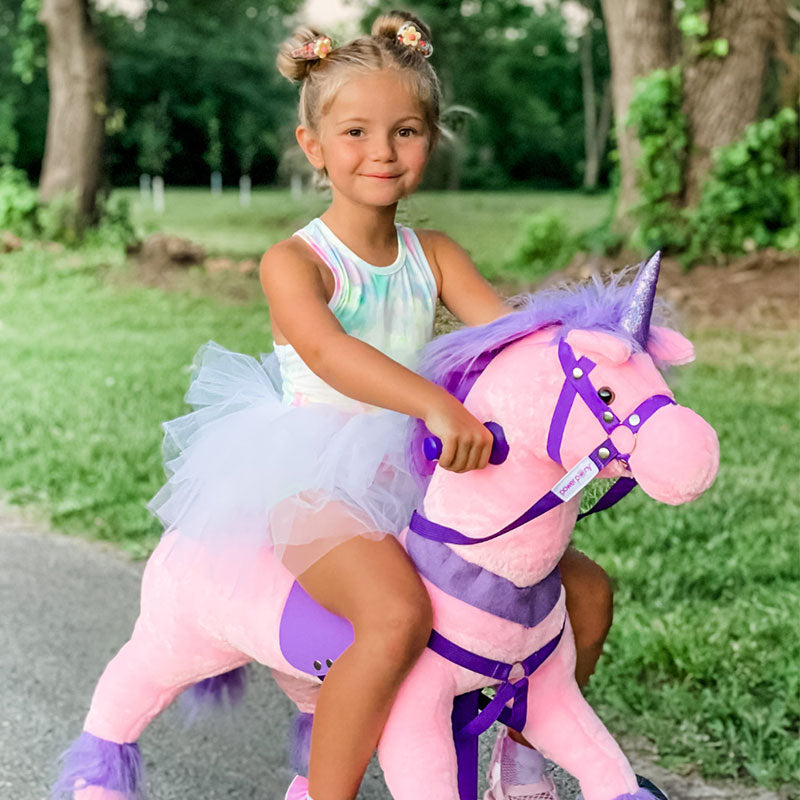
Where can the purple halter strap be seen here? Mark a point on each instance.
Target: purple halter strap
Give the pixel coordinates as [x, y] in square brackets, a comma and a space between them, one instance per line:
[576, 383]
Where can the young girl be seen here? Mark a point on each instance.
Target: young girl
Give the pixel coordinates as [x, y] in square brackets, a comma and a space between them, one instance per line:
[316, 468]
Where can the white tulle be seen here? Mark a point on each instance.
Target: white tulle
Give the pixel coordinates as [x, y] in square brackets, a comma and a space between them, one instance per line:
[245, 469]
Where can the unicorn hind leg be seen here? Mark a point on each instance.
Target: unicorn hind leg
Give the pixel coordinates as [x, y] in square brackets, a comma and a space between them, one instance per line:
[140, 681]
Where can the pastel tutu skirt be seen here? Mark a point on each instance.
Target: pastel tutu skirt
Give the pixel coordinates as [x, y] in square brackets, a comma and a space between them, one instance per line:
[247, 470]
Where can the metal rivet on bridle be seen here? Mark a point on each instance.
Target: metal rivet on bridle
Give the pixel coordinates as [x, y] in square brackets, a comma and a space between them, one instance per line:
[608, 416]
[603, 453]
[577, 372]
[328, 663]
[634, 419]
[317, 664]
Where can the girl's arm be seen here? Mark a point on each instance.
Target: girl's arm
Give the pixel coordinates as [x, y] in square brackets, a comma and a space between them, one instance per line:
[465, 292]
[297, 299]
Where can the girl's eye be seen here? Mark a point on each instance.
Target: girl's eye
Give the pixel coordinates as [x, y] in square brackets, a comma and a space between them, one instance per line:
[406, 132]
[354, 132]
[606, 395]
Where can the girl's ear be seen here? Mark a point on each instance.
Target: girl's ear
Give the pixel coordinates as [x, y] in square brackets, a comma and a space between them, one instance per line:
[310, 145]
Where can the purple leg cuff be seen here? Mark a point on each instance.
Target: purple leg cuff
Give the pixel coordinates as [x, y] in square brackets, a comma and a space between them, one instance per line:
[92, 761]
[639, 794]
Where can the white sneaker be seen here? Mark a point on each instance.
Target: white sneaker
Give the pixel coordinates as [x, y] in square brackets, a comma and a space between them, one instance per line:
[544, 789]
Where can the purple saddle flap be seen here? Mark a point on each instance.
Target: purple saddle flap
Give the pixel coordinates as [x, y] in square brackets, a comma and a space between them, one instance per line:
[311, 637]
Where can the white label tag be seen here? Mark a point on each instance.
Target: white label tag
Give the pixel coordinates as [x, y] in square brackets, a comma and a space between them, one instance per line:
[576, 479]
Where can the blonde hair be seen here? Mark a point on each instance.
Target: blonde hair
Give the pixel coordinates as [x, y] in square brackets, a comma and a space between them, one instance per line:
[322, 78]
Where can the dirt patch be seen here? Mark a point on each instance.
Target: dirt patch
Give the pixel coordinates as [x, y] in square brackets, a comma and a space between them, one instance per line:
[179, 265]
[759, 291]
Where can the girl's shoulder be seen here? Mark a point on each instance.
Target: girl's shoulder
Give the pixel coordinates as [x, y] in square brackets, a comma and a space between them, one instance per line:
[439, 248]
[293, 259]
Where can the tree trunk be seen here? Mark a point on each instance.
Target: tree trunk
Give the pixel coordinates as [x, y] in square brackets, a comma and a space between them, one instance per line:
[76, 71]
[722, 95]
[640, 36]
[595, 126]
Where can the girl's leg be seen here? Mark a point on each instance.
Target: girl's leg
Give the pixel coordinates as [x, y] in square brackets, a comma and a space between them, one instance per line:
[375, 586]
[590, 603]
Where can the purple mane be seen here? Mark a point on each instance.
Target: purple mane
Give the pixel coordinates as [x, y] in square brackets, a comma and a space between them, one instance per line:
[455, 360]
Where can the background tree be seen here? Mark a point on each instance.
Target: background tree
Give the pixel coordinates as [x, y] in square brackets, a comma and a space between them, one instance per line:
[76, 73]
[720, 52]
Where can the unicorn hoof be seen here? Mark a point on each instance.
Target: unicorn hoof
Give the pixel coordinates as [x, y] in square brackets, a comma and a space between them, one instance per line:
[647, 791]
[98, 793]
[298, 789]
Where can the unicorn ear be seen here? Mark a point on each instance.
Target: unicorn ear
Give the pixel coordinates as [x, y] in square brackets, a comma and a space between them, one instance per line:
[596, 343]
[669, 347]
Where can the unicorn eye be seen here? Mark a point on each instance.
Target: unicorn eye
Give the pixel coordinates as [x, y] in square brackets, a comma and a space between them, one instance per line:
[606, 395]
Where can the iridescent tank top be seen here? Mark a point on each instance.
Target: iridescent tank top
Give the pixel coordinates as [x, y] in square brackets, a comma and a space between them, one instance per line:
[391, 308]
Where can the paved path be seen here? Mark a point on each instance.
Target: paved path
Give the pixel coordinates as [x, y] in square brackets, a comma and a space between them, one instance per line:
[66, 606]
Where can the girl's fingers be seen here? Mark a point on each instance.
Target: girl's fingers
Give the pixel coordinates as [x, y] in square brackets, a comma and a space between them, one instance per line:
[448, 452]
[462, 457]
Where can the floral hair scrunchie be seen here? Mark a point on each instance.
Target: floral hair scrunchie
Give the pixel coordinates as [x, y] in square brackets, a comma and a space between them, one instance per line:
[314, 50]
[410, 36]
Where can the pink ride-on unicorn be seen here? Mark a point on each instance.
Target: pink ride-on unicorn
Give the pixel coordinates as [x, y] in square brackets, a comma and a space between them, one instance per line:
[571, 382]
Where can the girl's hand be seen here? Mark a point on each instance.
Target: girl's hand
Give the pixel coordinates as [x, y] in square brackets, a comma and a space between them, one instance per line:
[466, 442]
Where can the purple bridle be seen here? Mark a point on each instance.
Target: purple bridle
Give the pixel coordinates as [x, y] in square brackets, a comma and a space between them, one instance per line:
[576, 384]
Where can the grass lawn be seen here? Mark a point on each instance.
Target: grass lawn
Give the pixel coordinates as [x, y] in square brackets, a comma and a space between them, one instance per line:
[704, 655]
[471, 218]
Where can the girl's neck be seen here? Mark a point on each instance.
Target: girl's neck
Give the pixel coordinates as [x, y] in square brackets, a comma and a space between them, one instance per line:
[368, 231]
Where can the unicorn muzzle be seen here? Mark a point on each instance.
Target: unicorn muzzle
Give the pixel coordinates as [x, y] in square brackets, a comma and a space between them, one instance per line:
[676, 456]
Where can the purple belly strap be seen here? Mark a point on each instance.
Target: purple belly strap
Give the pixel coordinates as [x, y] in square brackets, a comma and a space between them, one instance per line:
[443, 567]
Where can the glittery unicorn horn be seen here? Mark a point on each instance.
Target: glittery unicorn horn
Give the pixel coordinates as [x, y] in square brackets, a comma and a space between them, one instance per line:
[636, 319]
[315, 49]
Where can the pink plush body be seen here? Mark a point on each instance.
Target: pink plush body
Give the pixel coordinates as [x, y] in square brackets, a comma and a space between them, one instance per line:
[191, 627]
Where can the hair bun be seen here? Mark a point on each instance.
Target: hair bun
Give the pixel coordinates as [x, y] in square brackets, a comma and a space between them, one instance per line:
[388, 25]
[295, 68]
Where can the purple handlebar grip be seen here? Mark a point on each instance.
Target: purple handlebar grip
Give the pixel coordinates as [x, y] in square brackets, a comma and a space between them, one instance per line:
[432, 445]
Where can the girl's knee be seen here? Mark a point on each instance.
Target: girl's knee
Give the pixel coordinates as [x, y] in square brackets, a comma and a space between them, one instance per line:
[399, 629]
[590, 599]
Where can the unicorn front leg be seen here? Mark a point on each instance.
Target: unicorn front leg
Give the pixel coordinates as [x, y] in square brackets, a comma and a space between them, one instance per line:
[563, 726]
[416, 749]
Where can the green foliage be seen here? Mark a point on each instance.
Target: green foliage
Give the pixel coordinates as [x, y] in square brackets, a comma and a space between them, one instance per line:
[28, 55]
[749, 199]
[19, 203]
[58, 221]
[656, 113]
[213, 156]
[153, 133]
[24, 214]
[9, 140]
[545, 245]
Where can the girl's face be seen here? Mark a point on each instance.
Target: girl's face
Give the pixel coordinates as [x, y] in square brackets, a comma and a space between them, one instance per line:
[373, 140]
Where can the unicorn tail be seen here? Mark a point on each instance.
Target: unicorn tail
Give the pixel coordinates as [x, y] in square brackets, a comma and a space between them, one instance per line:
[300, 742]
[214, 694]
[95, 762]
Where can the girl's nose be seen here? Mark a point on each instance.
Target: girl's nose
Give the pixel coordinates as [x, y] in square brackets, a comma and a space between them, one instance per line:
[383, 149]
